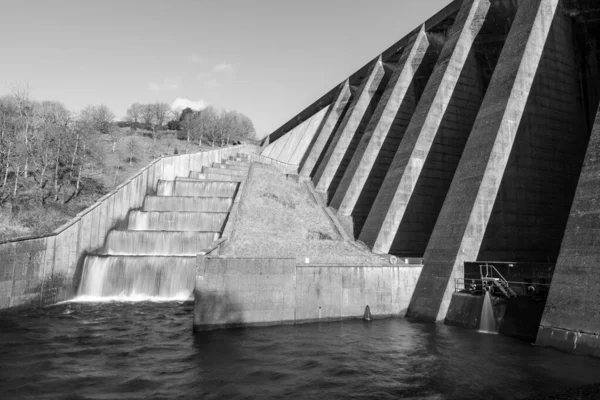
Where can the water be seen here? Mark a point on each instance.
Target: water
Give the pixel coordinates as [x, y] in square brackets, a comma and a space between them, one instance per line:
[197, 188]
[196, 204]
[487, 322]
[148, 350]
[159, 242]
[137, 278]
[176, 221]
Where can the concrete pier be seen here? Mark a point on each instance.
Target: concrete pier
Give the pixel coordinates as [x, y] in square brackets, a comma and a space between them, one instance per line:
[462, 223]
[353, 125]
[356, 174]
[388, 210]
[571, 320]
[322, 138]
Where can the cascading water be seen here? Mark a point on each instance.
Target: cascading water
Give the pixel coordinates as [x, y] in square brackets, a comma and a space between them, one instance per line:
[178, 203]
[155, 259]
[137, 278]
[176, 221]
[158, 242]
[196, 188]
[487, 322]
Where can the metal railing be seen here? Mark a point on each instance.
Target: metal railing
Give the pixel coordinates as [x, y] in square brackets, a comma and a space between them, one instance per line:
[490, 270]
[521, 289]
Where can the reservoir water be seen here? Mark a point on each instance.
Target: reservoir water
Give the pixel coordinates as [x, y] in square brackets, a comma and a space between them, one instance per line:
[147, 350]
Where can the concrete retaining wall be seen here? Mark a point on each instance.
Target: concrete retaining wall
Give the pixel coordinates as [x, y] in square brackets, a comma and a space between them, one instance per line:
[272, 291]
[44, 270]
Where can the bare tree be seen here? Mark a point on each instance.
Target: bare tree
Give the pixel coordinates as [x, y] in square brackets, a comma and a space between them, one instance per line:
[161, 111]
[134, 114]
[132, 148]
[148, 115]
[98, 118]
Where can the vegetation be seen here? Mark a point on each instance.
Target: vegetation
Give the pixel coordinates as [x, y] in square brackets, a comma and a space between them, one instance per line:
[55, 163]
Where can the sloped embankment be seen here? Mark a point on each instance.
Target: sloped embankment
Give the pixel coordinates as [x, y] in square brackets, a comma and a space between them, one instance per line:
[278, 217]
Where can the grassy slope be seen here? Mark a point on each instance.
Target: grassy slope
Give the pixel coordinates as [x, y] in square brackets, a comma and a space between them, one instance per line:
[110, 170]
[278, 218]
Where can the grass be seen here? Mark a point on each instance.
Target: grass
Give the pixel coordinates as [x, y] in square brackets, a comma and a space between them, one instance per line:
[278, 217]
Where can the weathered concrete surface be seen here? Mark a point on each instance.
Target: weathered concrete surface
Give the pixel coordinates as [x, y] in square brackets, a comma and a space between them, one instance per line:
[461, 225]
[323, 136]
[571, 320]
[353, 123]
[364, 157]
[291, 147]
[257, 291]
[304, 142]
[388, 210]
[35, 272]
[464, 311]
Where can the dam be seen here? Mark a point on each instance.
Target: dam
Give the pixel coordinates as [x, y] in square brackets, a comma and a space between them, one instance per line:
[449, 181]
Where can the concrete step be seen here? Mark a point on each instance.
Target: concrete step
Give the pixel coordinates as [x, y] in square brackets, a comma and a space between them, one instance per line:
[197, 176]
[176, 221]
[238, 167]
[158, 242]
[227, 171]
[125, 276]
[181, 203]
[197, 188]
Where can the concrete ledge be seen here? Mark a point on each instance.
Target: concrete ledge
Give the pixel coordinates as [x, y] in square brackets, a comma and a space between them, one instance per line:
[464, 311]
[243, 292]
[583, 343]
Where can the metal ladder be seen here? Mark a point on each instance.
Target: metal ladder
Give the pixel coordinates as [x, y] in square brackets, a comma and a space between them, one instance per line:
[498, 282]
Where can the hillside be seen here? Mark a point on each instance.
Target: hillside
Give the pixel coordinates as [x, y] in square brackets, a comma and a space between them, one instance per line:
[105, 170]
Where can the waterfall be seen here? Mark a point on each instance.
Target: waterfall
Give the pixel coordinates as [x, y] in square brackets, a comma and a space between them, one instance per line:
[197, 188]
[176, 221]
[155, 258]
[137, 278]
[197, 204]
[487, 322]
[158, 242]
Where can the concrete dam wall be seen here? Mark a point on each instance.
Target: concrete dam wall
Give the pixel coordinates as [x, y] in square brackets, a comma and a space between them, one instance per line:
[474, 138]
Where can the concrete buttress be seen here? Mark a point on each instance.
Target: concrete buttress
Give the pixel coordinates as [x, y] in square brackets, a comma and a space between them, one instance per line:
[462, 222]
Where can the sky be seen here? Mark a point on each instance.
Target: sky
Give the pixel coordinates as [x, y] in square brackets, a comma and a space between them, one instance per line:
[268, 59]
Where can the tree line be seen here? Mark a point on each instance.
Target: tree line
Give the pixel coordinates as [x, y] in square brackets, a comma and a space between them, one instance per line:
[211, 125]
[48, 153]
[44, 148]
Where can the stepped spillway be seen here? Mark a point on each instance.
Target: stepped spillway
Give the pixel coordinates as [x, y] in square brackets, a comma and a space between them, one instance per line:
[176, 220]
[155, 257]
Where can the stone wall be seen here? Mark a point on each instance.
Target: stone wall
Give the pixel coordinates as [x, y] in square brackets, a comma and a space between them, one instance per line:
[272, 291]
[44, 270]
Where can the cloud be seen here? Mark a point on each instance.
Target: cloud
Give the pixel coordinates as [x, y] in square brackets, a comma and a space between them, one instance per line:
[203, 75]
[212, 83]
[225, 68]
[196, 59]
[209, 78]
[167, 84]
[181, 104]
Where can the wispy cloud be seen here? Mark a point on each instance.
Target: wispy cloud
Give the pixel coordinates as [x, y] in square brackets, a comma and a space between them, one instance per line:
[203, 75]
[212, 83]
[167, 84]
[196, 59]
[223, 68]
[212, 78]
[181, 103]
